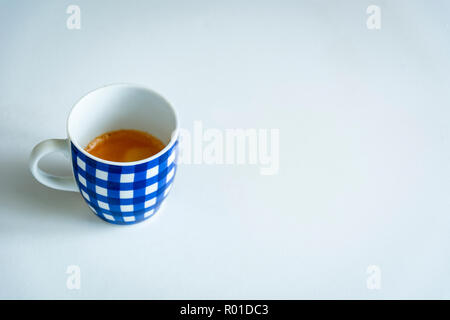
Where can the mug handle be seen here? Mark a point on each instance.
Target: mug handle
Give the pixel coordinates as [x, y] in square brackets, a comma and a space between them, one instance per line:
[56, 182]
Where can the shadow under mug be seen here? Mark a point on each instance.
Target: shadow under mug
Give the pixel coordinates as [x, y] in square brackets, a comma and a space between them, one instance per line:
[117, 192]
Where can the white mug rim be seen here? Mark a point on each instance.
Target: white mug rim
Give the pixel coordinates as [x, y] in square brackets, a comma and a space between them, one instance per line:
[172, 141]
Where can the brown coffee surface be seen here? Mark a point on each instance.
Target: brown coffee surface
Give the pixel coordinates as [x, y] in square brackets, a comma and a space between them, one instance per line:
[124, 145]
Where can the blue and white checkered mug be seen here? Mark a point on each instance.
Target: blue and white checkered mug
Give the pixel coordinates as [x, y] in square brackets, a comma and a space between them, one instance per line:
[117, 192]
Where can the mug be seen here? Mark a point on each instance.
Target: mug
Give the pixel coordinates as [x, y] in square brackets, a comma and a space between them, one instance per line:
[117, 192]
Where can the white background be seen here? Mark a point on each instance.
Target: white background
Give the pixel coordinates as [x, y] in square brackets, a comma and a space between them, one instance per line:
[364, 149]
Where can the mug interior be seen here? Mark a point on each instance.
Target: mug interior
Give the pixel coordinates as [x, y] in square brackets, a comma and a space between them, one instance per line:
[121, 106]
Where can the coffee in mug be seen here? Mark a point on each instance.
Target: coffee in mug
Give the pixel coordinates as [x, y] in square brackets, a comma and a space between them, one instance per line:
[122, 140]
[125, 145]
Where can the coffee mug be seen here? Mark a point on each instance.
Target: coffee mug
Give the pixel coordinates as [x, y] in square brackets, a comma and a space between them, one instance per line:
[117, 192]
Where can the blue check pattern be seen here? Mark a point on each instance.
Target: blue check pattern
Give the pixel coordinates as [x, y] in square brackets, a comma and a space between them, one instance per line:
[124, 194]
